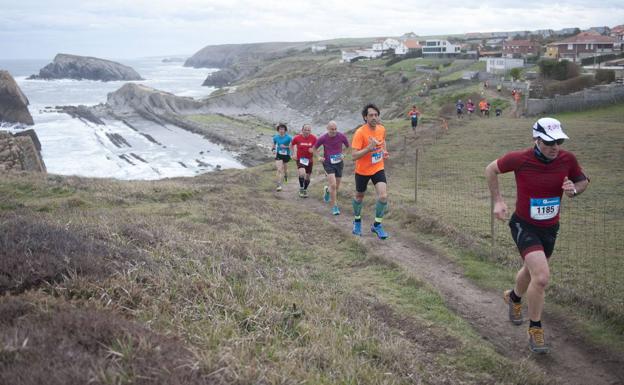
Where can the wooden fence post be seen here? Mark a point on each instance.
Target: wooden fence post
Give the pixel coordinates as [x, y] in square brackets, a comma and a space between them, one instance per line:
[416, 178]
[492, 222]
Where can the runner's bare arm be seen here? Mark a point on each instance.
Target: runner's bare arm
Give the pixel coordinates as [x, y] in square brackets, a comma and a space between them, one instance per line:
[572, 189]
[315, 151]
[293, 154]
[500, 207]
[357, 154]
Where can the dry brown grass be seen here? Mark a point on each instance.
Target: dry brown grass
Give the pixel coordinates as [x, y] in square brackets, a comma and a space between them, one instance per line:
[234, 285]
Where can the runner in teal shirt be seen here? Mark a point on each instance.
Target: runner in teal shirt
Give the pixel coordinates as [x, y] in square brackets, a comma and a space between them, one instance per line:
[281, 148]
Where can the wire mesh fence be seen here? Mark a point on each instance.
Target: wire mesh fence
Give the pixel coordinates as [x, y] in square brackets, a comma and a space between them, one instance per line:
[587, 265]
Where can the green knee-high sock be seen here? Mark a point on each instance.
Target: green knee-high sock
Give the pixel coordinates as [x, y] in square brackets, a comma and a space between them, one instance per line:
[380, 209]
[357, 209]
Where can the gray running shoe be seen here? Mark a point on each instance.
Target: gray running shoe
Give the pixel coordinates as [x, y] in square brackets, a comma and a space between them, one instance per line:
[515, 309]
[536, 340]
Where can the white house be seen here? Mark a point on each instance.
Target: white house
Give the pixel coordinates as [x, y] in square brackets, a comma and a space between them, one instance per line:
[502, 65]
[440, 48]
[348, 56]
[390, 43]
[378, 45]
[401, 49]
[369, 53]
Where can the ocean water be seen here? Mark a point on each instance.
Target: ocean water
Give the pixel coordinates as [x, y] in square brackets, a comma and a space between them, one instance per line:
[149, 151]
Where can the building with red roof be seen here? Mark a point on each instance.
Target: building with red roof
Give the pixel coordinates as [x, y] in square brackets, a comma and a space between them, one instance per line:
[585, 44]
[520, 48]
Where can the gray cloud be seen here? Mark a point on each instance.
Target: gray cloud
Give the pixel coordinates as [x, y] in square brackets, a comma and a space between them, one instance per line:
[121, 29]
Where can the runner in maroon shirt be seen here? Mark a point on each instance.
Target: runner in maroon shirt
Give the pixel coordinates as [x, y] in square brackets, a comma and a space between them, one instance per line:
[543, 174]
[304, 157]
[333, 163]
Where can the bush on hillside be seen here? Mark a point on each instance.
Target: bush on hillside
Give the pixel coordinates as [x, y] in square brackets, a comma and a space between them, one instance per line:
[563, 70]
[58, 344]
[515, 73]
[569, 86]
[35, 250]
[605, 76]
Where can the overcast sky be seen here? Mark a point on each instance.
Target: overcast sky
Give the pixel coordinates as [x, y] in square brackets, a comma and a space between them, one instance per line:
[117, 29]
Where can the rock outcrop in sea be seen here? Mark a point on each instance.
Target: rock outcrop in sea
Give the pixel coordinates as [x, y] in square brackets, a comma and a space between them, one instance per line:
[76, 67]
[137, 98]
[13, 102]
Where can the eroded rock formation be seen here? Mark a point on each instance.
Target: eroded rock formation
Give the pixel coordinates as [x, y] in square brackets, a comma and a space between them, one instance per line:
[85, 67]
[13, 102]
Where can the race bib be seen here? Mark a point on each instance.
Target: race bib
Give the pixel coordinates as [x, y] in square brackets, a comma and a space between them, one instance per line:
[335, 159]
[544, 208]
[377, 157]
[282, 151]
[304, 161]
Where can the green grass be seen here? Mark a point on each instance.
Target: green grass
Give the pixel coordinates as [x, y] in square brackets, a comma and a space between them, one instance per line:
[233, 123]
[586, 266]
[251, 298]
[478, 66]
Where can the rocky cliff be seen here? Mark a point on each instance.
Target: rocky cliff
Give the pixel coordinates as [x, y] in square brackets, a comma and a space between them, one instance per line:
[84, 67]
[313, 91]
[13, 102]
[226, 55]
[136, 98]
[133, 102]
[20, 152]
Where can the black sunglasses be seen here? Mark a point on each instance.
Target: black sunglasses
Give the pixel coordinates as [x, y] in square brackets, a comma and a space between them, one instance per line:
[551, 143]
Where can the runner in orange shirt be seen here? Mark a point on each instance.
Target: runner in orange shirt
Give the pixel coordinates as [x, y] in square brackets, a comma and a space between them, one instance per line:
[483, 106]
[369, 152]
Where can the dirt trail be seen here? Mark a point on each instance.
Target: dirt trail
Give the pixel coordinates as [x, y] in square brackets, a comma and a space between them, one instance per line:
[570, 360]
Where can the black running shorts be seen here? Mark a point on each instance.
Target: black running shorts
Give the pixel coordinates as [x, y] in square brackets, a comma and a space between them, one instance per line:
[335, 169]
[361, 181]
[530, 238]
[283, 158]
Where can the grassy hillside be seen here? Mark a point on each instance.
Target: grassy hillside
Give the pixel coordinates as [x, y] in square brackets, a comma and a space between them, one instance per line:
[453, 201]
[213, 279]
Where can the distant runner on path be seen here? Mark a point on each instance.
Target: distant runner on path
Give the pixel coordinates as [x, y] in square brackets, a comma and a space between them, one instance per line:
[369, 152]
[304, 156]
[414, 114]
[543, 174]
[459, 107]
[332, 159]
[470, 107]
[281, 148]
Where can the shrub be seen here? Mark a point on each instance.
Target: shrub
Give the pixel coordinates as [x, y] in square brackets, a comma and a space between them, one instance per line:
[515, 73]
[66, 345]
[605, 76]
[34, 250]
[568, 86]
[563, 70]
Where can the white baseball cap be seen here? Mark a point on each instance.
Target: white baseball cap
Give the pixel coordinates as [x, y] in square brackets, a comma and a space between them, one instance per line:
[548, 129]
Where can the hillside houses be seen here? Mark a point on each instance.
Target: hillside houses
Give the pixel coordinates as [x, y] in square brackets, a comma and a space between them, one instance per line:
[440, 48]
[520, 48]
[379, 47]
[617, 33]
[583, 45]
[573, 45]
